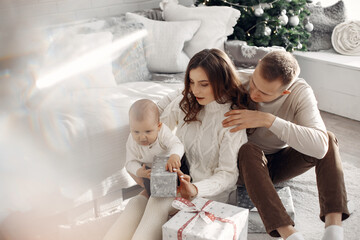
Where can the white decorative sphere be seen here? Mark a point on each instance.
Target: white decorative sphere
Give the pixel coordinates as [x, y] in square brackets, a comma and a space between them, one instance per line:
[283, 19]
[309, 27]
[288, 0]
[299, 46]
[267, 31]
[294, 20]
[265, 5]
[259, 12]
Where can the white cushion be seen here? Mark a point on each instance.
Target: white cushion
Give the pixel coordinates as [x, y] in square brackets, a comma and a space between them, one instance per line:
[217, 23]
[165, 42]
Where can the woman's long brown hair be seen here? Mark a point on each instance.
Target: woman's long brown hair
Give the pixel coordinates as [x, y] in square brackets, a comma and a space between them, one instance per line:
[224, 81]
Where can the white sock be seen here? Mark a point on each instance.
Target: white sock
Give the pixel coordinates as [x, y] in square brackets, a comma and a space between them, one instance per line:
[333, 232]
[296, 236]
[125, 226]
[155, 215]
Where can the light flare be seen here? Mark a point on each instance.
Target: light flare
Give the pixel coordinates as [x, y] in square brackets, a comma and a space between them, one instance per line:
[88, 61]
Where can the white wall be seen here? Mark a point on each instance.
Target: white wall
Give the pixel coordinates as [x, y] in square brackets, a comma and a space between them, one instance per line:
[44, 12]
[21, 21]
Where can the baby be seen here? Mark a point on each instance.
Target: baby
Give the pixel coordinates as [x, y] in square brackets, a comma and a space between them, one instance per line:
[149, 137]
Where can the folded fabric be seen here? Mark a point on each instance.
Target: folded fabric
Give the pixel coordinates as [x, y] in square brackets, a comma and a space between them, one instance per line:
[346, 38]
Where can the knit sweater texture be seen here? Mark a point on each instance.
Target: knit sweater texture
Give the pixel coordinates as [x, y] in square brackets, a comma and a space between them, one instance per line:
[211, 149]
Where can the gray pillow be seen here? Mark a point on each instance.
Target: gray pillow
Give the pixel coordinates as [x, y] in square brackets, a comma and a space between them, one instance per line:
[130, 64]
[324, 20]
[153, 14]
[246, 56]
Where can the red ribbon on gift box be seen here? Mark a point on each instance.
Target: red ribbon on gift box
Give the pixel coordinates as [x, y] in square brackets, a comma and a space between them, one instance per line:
[187, 206]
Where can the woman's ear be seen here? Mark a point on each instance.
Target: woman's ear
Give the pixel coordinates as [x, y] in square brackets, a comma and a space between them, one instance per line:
[159, 125]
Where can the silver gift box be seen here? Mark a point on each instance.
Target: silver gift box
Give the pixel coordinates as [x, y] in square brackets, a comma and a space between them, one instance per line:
[162, 183]
[255, 223]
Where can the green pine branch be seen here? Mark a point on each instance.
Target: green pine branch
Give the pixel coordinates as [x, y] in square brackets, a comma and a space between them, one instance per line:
[251, 28]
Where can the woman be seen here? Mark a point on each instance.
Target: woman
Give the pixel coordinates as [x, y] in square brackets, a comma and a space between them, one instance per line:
[212, 88]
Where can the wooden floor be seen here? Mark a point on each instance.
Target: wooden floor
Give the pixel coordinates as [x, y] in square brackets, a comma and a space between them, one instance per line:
[347, 132]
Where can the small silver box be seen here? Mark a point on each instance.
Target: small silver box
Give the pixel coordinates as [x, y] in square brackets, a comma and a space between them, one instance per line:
[162, 183]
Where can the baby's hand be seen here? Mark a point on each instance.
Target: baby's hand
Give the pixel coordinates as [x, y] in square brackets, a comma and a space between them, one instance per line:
[173, 163]
[143, 172]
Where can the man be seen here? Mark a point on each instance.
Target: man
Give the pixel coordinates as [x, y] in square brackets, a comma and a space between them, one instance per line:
[290, 138]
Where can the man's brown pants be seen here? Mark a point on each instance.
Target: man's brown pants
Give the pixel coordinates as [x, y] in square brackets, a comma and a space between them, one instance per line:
[259, 173]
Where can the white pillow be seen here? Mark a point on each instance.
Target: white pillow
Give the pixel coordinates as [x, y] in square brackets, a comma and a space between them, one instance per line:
[217, 23]
[165, 42]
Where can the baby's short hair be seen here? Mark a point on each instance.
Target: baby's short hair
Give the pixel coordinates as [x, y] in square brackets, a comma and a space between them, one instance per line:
[144, 108]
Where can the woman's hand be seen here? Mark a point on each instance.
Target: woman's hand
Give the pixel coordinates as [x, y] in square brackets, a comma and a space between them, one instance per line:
[186, 189]
[173, 163]
[143, 172]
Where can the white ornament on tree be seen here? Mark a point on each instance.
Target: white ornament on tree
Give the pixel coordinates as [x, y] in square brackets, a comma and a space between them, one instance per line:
[283, 18]
[294, 20]
[299, 46]
[258, 11]
[309, 27]
[288, 0]
[267, 31]
[265, 5]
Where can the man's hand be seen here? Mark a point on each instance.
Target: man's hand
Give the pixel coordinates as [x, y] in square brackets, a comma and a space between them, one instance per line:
[186, 189]
[173, 163]
[242, 119]
[143, 172]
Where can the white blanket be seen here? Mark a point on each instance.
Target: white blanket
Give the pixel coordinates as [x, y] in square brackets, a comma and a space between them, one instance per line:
[346, 38]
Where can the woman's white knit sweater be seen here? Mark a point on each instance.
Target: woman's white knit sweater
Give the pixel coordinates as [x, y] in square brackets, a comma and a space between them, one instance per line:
[211, 149]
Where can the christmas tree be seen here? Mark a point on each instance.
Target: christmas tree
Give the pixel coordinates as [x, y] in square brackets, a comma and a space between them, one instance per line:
[270, 22]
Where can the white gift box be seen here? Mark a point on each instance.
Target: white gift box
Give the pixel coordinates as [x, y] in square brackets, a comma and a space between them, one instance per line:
[206, 219]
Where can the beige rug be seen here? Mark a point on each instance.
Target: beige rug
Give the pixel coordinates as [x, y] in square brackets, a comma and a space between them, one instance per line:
[305, 198]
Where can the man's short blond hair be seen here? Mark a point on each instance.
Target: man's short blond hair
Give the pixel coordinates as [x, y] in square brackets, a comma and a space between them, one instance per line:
[144, 108]
[279, 64]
